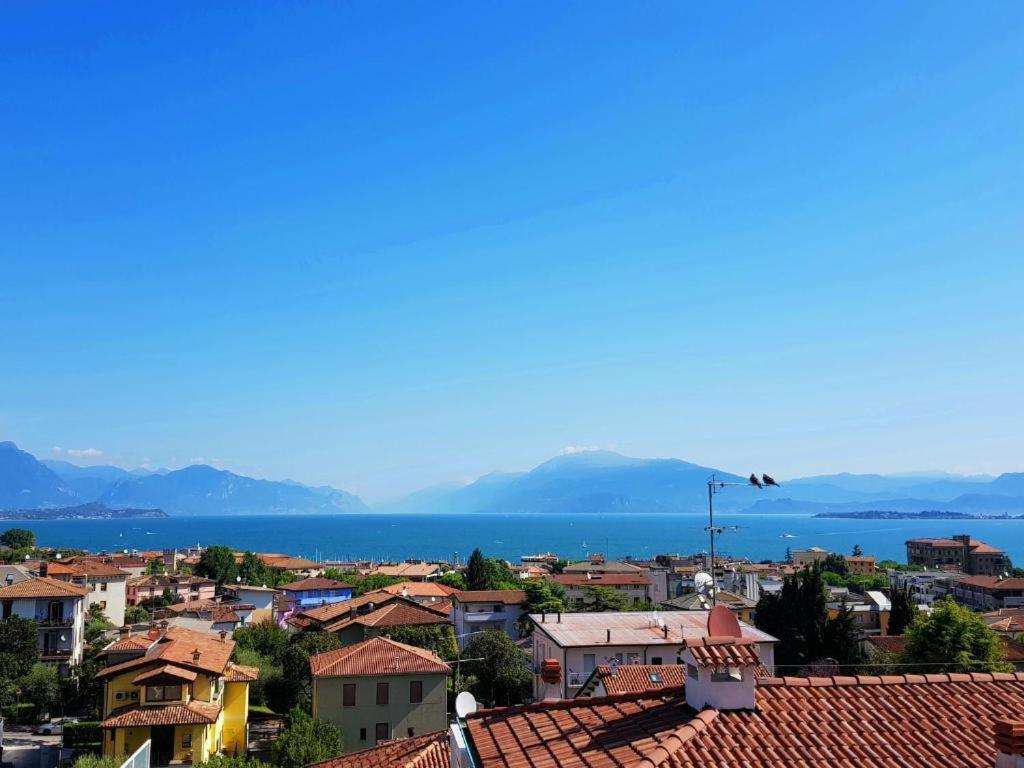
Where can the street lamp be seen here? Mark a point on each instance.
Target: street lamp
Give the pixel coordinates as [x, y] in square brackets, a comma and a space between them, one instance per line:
[717, 486]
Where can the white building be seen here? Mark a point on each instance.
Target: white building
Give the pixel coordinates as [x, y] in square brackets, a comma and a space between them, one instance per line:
[260, 598]
[58, 607]
[107, 585]
[486, 610]
[582, 641]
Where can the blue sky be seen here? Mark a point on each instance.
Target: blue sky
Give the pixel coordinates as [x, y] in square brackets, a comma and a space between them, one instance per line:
[386, 246]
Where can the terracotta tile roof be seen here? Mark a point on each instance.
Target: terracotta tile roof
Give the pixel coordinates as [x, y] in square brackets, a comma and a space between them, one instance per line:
[992, 582]
[314, 582]
[41, 586]
[723, 652]
[1005, 620]
[177, 646]
[420, 589]
[325, 613]
[443, 607]
[86, 567]
[125, 644]
[377, 656]
[287, 562]
[240, 673]
[428, 751]
[574, 630]
[505, 596]
[910, 721]
[409, 570]
[136, 716]
[599, 579]
[224, 614]
[387, 610]
[981, 548]
[400, 614]
[167, 670]
[192, 605]
[638, 678]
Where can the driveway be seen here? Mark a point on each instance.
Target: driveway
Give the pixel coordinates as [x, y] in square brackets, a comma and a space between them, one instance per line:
[24, 749]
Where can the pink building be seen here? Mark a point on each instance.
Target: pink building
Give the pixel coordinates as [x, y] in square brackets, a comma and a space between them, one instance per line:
[150, 589]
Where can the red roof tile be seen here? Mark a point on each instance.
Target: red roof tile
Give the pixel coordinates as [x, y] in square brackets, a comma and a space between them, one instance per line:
[419, 589]
[167, 670]
[42, 587]
[178, 646]
[240, 673]
[377, 656]
[993, 582]
[723, 652]
[428, 751]
[127, 644]
[400, 614]
[137, 716]
[599, 579]
[638, 678]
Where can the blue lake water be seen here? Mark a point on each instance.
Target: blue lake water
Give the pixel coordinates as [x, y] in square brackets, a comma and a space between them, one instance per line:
[390, 536]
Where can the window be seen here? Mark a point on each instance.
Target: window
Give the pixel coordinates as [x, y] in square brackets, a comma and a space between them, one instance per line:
[8, 609]
[411, 732]
[382, 731]
[163, 693]
[656, 660]
[498, 608]
[103, 586]
[186, 740]
[691, 671]
[362, 734]
[348, 695]
[415, 691]
[729, 675]
[382, 693]
[112, 733]
[589, 661]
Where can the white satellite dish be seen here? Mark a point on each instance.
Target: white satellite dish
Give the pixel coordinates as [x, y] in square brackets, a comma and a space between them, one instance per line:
[702, 582]
[465, 704]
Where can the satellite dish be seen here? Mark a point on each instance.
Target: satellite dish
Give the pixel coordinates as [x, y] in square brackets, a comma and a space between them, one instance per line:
[703, 582]
[465, 704]
[723, 623]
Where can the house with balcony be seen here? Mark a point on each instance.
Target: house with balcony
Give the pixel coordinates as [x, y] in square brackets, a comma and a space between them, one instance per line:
[475, 611]
[107, 584]
[580, 642]
[178, 689]
[58, 607]
[311, 592]
[635, 587]
[148, 590]
[989, 593]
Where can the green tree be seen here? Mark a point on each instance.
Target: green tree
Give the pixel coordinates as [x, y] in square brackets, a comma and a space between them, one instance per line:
[954, 639]
[857, 552]
[255, 571]
[81, 690]
[476, 573]
[902, 612]
[798, 616]
[19, 647]
[217, 563]
[295, 660]
[834, 563]
[306, 741]
[543, 596]
[96, 623]
[598, 599]
[499, 673]
[41, 687]
[439, 638]
[842, 638]
[264, 637]
[18, 538]
[454, 579]
[136, 614]
[363, 584]
[155, 567]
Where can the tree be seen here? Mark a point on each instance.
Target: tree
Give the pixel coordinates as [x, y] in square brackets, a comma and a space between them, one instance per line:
[500, 675]
[232, 761]
[454, 579]
[476, 574]
[439, 638]
[842, 638]
[217, 563]
[136, 614]
[798, 616]
[264, 637]
[18, 538]
[598, 599]
[544, 596]
[155, 567]
[97, 761]
[41, 686]
[19, 647]
[255, 571]
[902, 612]
[954, 639]
[857, 552]
[81, 691]
[96, 623]
[834, 563]
[295, 663]
[306, 741]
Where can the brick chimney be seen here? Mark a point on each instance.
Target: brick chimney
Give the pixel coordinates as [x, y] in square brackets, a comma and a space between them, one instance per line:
[1009, 743]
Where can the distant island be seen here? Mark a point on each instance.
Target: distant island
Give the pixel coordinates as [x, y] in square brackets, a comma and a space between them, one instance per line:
[887, 514]
[92, 511]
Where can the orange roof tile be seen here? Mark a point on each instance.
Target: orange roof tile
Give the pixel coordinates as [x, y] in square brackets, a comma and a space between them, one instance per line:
[638, 678]
[377, 656]
[240, 673]
[993, 582]
[506, 596]
[419, 589]
[178, 646]
[428, 751]
[136, 716]
[723, 652]
[125, 644]
[41, 586]
[400, 614]
[167, 670]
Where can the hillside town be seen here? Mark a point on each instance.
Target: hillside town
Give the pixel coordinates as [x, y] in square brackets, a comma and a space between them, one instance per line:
[208, 653]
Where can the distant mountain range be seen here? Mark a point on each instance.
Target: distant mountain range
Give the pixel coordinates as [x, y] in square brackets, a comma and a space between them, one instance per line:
[585, 482]
[26, 483]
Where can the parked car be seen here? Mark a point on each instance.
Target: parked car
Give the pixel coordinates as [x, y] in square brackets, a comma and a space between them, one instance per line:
[56, 727]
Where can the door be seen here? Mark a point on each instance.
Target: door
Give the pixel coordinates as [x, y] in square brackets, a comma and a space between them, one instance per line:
[162, 748]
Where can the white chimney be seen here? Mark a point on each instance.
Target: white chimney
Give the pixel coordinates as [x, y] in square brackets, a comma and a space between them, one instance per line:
[720, 666]
[1009, 743]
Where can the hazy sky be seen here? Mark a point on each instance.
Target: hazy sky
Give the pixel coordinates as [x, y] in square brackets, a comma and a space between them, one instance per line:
[386, 245]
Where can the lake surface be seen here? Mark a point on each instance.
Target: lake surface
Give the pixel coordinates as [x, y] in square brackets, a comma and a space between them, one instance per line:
[390, 536]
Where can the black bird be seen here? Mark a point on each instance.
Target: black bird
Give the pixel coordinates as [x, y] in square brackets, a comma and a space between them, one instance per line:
[769, 480]
[755, 481]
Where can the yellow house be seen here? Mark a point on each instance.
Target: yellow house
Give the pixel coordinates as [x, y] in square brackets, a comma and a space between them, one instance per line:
[179, 689]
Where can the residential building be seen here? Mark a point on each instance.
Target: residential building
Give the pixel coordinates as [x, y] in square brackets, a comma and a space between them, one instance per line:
[369, 615]
[989, 593]
[428, 751]
[870, 611]
[107, 584]
[147, 590]
[209, 615]
[580, 642]
[134, 564]
[635, 587]
[311, 592]
[413, 571]
[58, 607]
[285, 563]
[378, 690]
[860, 565]
[809, 556]
[615, 679]
[925, 587]
[742, 607]
[261, 598]
[181, 691]
[12, 574]
[963, 553]
[487, 610]
[1006, 621]
[432, 593]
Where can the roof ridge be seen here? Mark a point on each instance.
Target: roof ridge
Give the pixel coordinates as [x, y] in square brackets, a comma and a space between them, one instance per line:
[674, 741]
[904, 679]
[654, 693]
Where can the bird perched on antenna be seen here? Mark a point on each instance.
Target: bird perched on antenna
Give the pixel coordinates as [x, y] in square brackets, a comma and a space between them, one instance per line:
[768, 480]
[755, 481]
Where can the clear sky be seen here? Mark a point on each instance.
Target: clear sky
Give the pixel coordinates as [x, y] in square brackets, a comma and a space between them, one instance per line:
[383, 245]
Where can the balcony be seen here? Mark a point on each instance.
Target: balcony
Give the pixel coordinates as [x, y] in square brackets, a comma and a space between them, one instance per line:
[54, 621]
[576, 679]
[55, 654]
[473, 618]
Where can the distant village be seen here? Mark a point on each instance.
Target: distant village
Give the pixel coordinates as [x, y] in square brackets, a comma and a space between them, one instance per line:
[194, 654]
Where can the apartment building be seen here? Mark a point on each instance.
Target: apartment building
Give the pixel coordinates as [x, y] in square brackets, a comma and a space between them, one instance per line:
[487, 610]
[961, 553]
[107, 584]
[58, 608]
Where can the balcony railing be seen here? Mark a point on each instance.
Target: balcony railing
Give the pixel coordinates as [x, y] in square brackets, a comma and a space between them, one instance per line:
[54, 621]
[51, 654]
[576, 679]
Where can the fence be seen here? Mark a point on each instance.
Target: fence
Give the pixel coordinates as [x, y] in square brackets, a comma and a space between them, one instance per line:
[139, 758]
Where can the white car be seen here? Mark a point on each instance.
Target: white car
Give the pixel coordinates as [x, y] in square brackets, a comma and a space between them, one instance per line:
[56, 727]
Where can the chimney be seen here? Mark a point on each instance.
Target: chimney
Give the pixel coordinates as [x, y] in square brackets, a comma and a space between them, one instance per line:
[124, 632]
[559, 621]
[195, 655]
[608, 638]
[154, 630]
[223, 635]
[664, 631]
[1009, 736]
[163, 625]
[543, 617]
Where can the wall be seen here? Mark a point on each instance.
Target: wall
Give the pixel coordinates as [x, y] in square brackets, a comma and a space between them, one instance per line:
[236, 716]
[115, 596]
[424, 717]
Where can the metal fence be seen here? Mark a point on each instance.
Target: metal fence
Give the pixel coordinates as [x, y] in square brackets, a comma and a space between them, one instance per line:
[139, 758]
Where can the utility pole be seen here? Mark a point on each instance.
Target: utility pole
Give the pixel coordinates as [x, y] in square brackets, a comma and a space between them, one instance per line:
[716, 486]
